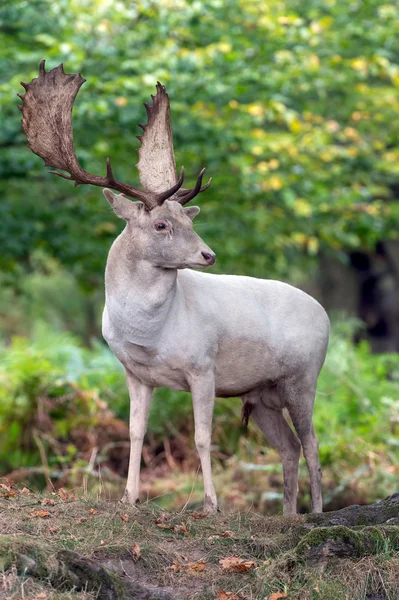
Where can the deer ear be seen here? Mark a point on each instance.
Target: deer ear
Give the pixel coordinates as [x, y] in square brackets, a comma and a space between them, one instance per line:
[123, 207]
[192, 211]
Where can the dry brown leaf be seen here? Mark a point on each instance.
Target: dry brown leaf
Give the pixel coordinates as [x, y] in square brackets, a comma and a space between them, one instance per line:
[196, 567]
[48, 501]
[277, 595]
[53, 529]
[135, 552]
[66, 496]
[225, 534]
[92, 511]
[176, 567]
[8, 494]
[125, 517]
[222, 595]
[181, 529]
[162, 518]
[234, 564]
[164, 526]
[198, 515]
[40, 514]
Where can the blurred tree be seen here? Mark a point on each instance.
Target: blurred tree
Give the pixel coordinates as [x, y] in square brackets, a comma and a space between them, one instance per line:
[292, 106]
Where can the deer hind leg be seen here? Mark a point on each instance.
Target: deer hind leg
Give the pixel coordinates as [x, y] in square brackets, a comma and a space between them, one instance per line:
[300, 401]
[277, 431]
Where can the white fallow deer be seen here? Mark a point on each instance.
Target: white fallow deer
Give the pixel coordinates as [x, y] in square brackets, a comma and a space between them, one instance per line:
[170, 325]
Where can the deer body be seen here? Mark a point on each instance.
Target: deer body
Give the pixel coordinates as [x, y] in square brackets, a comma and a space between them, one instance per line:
[248, 332]
[169, 325]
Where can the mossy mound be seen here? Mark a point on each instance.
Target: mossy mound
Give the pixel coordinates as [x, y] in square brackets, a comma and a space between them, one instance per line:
[86, 549]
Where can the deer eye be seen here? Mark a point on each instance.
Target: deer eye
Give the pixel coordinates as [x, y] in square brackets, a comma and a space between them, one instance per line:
[159, 226]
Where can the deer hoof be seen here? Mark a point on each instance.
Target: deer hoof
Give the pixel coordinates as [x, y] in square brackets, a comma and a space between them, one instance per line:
[210, 506]
[128, 499]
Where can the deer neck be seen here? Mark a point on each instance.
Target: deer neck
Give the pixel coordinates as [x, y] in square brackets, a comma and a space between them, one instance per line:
[139, 296]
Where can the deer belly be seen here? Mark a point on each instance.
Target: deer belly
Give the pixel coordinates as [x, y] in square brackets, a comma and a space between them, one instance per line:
[244, 364]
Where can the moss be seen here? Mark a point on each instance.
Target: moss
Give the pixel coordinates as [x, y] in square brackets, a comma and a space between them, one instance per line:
[30, 557]
[364, 540]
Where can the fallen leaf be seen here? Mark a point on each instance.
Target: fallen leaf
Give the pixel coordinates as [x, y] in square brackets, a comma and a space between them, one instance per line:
[225, 534]
[53, 529]
[181, 529]
[198, 515]
[136, 552]
[277, 595]
[234, 564]
[162, 517]
[197, 567]
[222, 595]
[40, 514]
[125, 517]
[164, 526]
[28, 492]
[48, 501]
[66, 496]
[176, 567]
[8, 494]
[92, 511]
[81, 520]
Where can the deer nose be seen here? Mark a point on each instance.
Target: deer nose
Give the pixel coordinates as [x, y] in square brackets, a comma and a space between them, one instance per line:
[210, 258]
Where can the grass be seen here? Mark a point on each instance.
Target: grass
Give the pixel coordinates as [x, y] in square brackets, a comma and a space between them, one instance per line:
[148, 546]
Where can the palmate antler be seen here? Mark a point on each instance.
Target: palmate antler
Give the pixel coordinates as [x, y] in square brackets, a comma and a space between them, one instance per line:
[157, 165]
[47, 123]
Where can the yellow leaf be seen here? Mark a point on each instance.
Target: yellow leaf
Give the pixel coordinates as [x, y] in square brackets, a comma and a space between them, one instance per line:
[313, 245]
[256, 110]
[257, 150]
[40, 514]
[275, 182]
[277, 595]
[197, 567]
[274, 163]
[302, 207]
[225, 47]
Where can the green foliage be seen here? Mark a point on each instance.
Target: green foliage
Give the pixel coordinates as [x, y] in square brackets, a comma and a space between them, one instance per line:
[52, 388]
[291, 105]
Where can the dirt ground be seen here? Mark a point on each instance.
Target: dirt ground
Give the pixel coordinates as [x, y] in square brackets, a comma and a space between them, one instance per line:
[60, 546]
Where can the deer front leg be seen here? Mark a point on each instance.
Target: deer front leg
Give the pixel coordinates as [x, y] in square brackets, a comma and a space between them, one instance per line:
[140, 402]
[203, 393]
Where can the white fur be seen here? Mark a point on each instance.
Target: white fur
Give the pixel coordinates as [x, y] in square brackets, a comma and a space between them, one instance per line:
[212, 335]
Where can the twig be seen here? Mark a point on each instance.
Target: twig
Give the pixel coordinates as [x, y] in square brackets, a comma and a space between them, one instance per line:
[192, 490]
[43, 457]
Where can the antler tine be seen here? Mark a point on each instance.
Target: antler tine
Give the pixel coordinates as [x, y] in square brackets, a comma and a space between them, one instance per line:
[46, 109]
[187, 195]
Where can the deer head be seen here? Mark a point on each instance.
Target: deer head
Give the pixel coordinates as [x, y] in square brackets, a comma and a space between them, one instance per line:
[47, 123]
